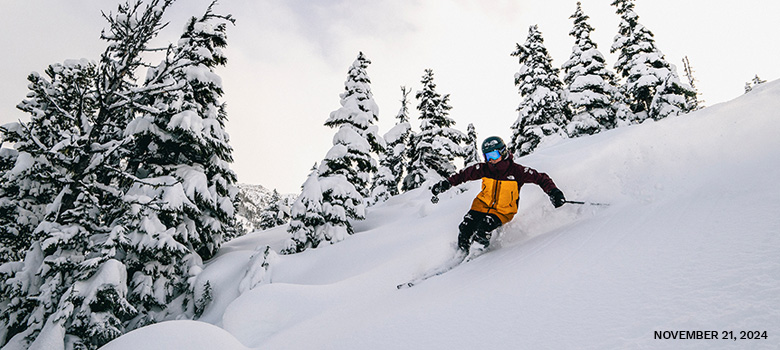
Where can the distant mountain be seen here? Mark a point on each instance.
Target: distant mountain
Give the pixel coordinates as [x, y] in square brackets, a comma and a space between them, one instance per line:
[252, 200]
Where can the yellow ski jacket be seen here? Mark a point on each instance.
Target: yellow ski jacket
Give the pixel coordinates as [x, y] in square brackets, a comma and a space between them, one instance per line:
[501, 183]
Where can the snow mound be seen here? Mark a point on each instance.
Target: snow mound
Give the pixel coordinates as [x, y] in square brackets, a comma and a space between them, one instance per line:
[174, 335]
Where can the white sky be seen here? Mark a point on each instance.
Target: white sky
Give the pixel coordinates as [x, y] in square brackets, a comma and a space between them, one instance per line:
[288, 59]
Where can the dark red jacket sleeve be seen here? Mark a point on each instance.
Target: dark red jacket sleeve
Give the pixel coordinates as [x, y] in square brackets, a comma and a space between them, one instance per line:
[528, 175]
[474, 172]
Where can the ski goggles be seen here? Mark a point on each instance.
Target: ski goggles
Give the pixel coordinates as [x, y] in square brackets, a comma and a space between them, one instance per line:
[492, 155]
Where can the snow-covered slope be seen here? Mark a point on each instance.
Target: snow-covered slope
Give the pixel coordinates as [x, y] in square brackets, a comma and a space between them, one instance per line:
[690, 242]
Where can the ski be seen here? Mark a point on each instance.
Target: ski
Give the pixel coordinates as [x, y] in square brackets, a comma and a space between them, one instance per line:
[459, 258]
[587, 203]
[450, 264]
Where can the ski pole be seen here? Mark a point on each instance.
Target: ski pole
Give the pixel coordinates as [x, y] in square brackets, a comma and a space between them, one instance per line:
[435, 199]
[588, 203]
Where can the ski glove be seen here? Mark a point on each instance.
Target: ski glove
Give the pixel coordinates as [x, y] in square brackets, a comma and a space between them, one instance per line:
[556, 197]
[440, 187]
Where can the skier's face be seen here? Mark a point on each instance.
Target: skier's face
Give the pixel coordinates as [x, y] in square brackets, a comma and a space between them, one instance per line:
[495, 161]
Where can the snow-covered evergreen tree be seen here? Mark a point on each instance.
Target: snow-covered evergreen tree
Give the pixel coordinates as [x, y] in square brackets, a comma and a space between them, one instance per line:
[182, 203]
[671, 96]
[757, 81]
[57, 151]
[753, 83]
[346, 170]
[306, 217]
[19, 214]
[356, 130]
[340, 199]
[341, 202]
[542, 112]
[393, 162]
[694, 102]
[437, 144]
[276, 213]
[398, 139]
[81, 288]
[652, 88]
[110, 252]
[591, 89]
[472, 152]
[181, 140]
[381, 183]
[59, 103]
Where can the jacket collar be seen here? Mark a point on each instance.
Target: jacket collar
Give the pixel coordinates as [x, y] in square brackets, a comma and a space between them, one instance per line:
[502, 166]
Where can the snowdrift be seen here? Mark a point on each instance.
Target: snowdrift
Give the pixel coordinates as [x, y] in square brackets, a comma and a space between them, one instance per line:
[690, 242]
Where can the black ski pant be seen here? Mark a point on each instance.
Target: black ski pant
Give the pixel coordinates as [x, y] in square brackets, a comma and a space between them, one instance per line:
[477, 226]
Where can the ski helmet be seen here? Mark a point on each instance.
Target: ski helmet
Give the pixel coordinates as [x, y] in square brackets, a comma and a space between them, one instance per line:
[494, 143]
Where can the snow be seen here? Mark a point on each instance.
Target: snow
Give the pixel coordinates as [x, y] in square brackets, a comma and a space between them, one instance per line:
[144, 124]
[194, 182]
[258, 271]
[51, 337]
[689, 243]
[347, 135]
[24, 163]
[189, 121]
[397, 131]
[111, 273]
[178, 335]
[203, 74]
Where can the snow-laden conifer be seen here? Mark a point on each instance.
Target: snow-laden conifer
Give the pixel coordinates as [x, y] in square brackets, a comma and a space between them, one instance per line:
[753, 83]
[114, 252]
[695, 102]
[62, 184]
[392, 163]
[382, 182]
[19, 214]
[437, 144]
[276, 213]
[652, 88]
[542, 111]
[472, 152]
[306, 218]
[671, 96]
[341, 202]
[358, 113]
[345, 172]
[81, 285]
[182, 201]
[591, 89]
[61, 103]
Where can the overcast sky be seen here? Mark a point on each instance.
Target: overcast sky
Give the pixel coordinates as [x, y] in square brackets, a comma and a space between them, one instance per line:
[288, 60]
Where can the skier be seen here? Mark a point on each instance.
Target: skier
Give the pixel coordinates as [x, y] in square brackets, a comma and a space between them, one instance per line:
[497, 203]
